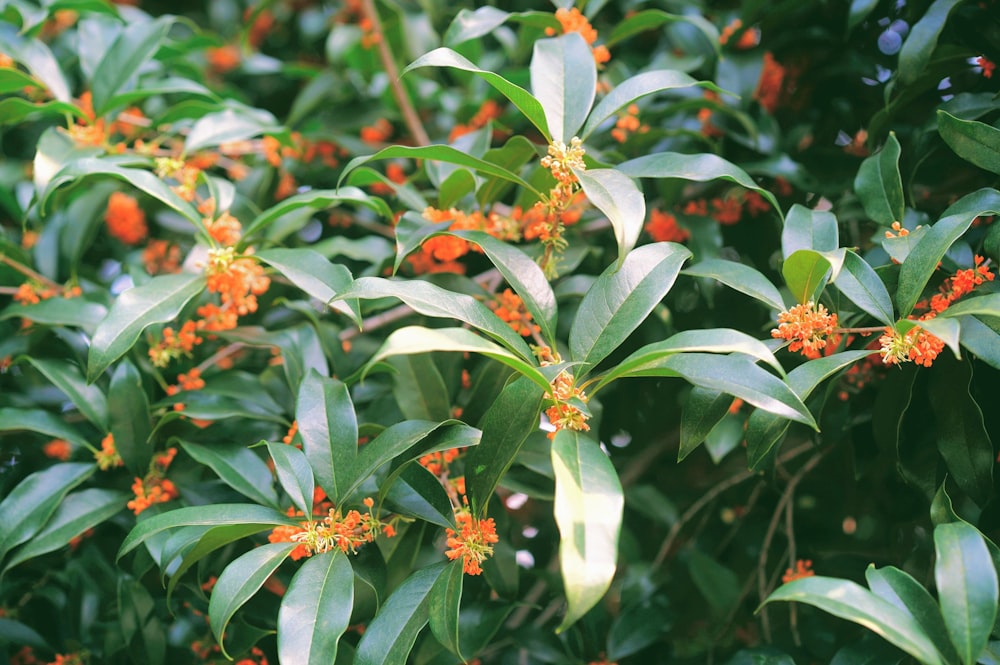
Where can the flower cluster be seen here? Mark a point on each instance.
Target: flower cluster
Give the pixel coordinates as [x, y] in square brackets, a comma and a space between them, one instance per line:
[807, 327]
[472, 542]
[125, 219]
[107, 457]
[510, 308]
[803, 568]
[488, 110]
[571, 20]
[566, 398]
[627, 124]
[154, 487]
[337, 530]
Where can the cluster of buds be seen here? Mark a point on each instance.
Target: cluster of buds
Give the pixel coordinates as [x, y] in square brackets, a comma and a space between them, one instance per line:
[472, 542]
[154, 487]
[337, 531]
[807, 327]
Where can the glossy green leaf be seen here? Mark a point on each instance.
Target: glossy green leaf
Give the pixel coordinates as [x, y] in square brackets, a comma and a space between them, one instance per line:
[318, 199]
[15, 110]
[922, 40]
[962, 438]
[765, 429]
[862, 286]
[389, 637]
[807, 272]
[809, 229]
[564, 80]
[419, 389]
[221, 514]
[650, 19]
[413, 491]
[906, 593]
[975, 142]
[860, 10]
[847, 600]
[129, 414]
[431, 300]
[13, 419]
[239, 467]
[418, 339]
[588, 510]
[89, 399]
[229, 124]
[29, 505]
[879, 185]
[620, 199]
[16, 632]
[967, 587]
[707, 340]
[143, 632]
[37, 57]
[294, 473]
[239, 581]
[392, 443]
[980, 340]
[80, 169]
[622, 298]
[445, 603]
[469, 24]
[316, 610]
[328, 426]
[923, 260]
[986, 305]
[518, 96]
[135, 45]
[638, 86]
[78, 512]
[512, 416]
[159, 300]
[75, 312]
[718, 584]
[741, 277]
[314, 274]
[702, 412]
[699, 168]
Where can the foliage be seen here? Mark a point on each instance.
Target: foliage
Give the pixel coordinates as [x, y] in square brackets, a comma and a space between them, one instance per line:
[362, 332]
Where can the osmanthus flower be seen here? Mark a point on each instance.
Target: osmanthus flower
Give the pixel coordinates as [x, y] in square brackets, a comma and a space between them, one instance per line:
[107, 457]
[59, 449]
[571, 20]
[663, 227]
[748, 39]
[509, 307]
[803, 568]
[986, 66]
[154, 488]
[488, 110]
[174, 344]
[769, 87]
[346, 531]
[472, 542]
[125, 219]
[915, 345]
[562, 412]
[807, 327]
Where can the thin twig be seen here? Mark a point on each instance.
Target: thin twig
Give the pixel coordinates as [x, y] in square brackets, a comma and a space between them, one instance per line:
[28, 272]
[410, 116]
[224, 352]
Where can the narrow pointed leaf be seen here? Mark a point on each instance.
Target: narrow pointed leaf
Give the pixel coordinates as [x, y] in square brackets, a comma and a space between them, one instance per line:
[37, 57]
[445, 600]
[879, 185]
[703, 410]
[235, 123]
[13, 419]
[975, 142]
[204, 540]
[741, 277]
[294, 473]
[317, 199]
[621, 299]
[313, 273]
[159, 300]
[564, 80]
[239, 581]
[847, 600]
[862, 286]
[588, 509]
[239, 467]
[88, 398]
[651, 19]
[329, 429]
[809, 229]
[922, 40]
[967, 587]
[135, 45]
[316, 610]
[129, 414]
[620, 199]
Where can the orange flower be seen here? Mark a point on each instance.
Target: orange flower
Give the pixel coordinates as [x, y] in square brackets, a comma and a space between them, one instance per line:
[237, 280]
[748, 39]
[510, 308]
[286, 534]
[986, 65]
[438, 461]
[487, 111]
[224, 229]
[473, 541]
[571, 20]
[803, 568]
[663, 227]
[58, 449]
[806, 327]
[223, 58]
[628, 123]
[916, 344]
[173, 345]
[161, 256]
[380, 132]
[772, 77]
[125, 219]
[292, 431]
[108, 456]
[149, 491]
[728, 210]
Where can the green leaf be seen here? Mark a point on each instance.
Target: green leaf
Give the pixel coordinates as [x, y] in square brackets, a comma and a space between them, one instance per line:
[638, 86]
[16, 632]
[975, 142]
[741, 277]
[564, 80]
[417, 339]
[78, 512]
[240, 580]
[328, 426]
[158, 300]
[962, 438]
[294, 473]
[314, 274]
[318, 199]
[203, 541]
[699, 168]
[981, 340]
[445, 603]
[419, 389]
[136, 44]
[89, 399]
[967, 587]
[391, 634]
[707, 340]
[316, 610]
[75, 312]
[28, 507]
[413, 491]
[923, 259]
[621, 299]
[922, 40]
[469, 24]
[512, 416]
[879, 185]
[987, 305]
[860, 9]
[807, 272]
[143, 632]
[13, 419]
[230, 124]
[129, 413]
[37, 57]
[431, 300]
[900, 589]
[620, 199]
[588, 510]
[239, 467]
[765, 430]
[518, 96]
[718, 584]
[220, 514]
[513, 155]
[79, 169]
[703, 410]
[15, 110]
[847, 600]
[809, 229]
[862, 286]
[650, 19]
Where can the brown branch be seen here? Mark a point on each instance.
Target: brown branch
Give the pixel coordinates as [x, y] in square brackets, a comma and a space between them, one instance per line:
[398, 91]
[28, 272]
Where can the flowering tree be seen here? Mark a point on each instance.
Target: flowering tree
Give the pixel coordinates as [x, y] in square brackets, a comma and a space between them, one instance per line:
[364, 333]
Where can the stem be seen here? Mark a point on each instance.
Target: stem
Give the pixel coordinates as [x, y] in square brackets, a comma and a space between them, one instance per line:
[389, 63]
[860, 331]
[224, 352]
[28, 272]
